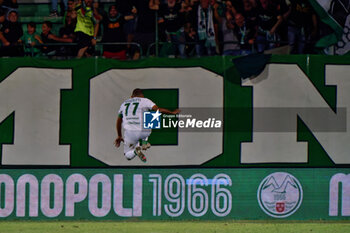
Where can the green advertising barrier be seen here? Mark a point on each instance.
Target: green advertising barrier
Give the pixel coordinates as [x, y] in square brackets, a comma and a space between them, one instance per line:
[228, 155]
[159, 194]
[63, 113]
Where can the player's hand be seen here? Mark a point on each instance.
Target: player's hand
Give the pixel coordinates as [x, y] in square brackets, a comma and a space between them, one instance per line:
[118, 141]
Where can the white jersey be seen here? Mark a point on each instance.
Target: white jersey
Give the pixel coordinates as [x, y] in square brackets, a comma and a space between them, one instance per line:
[132, 110]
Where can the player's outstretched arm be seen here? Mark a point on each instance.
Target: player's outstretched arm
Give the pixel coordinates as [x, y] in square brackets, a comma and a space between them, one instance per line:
[165, 111]
[119, 139]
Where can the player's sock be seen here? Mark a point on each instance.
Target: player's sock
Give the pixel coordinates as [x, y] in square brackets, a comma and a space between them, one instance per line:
[145, 144]
[140, 154]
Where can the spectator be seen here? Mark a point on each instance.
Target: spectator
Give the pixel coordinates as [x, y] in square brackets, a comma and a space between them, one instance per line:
[245, 32]
[193, 3]
[99, 13]
[302, 25]
[190, 38]
[230, 9]
[69, 24]
[250, 12]
[86, 29]
[47, 37]
[172, 16]
[54, 3]
[145, 28]
[269, 19]
[188, 8]
[218, 10]
[10, 34]
[70, 10]
[237, 5]
[113, 32]
[127, 8]
[230, 45]
[282, 30]
[30, 39]
[67, 32]
[98, 9]
[203, 22]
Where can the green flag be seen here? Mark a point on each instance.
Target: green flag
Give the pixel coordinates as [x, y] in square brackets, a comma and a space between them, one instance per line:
[335, 13]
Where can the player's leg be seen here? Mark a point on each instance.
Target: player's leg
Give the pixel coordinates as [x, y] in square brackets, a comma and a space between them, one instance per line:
[132, 146]
[145, 144]
[138, 152]
[144, 140]
[129, 151]
[130, 143]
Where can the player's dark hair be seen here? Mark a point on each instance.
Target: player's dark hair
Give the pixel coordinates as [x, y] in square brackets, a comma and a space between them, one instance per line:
[137, 92]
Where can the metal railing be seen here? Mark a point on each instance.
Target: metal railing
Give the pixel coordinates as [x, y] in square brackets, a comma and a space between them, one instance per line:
[156, 47]
[99, 47]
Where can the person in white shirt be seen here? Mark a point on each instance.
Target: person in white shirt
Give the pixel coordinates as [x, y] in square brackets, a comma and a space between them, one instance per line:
[130, 116]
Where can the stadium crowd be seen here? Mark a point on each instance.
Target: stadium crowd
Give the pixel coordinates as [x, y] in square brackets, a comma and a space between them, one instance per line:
[183, 28]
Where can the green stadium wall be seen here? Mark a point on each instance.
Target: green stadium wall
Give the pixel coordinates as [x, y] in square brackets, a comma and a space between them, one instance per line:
[281, 151]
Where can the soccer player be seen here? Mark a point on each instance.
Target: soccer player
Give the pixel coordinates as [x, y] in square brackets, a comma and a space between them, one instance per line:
[130, 115]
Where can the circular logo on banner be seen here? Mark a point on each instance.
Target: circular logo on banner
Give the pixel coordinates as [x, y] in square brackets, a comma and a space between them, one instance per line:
[280, 194]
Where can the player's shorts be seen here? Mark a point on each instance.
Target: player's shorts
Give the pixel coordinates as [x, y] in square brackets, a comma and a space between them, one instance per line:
[132, 137]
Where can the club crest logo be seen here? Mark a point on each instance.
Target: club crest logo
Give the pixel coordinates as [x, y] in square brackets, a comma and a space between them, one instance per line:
[280, 194]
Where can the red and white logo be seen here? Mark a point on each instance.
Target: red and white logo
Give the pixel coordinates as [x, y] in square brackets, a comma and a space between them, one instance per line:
[280, 207]
[280, 194]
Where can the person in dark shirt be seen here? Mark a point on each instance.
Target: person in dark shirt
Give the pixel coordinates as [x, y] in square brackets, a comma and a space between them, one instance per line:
[47, 37]
[10, 34]
[172, 16]
[190, 37]
[302, 25]
[113, 31]
[127, 8]
[269, 19]
[67, 32]
[68, 28]
[146, 24]
[250, 12]
[70, 11]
